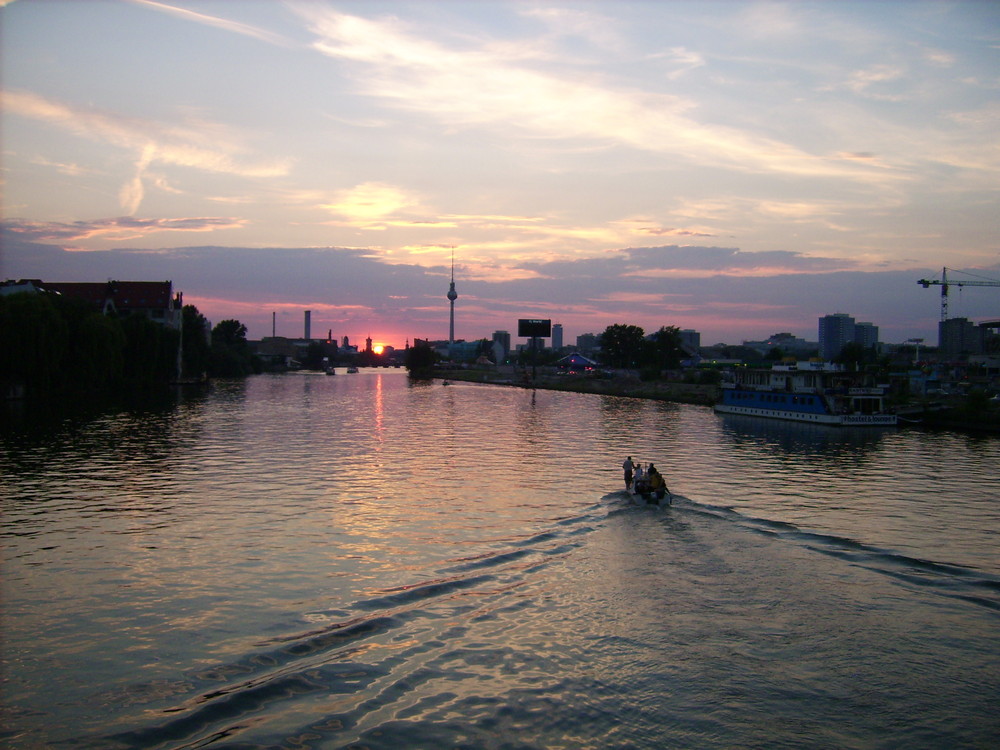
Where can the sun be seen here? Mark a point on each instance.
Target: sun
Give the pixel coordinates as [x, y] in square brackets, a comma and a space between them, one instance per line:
[378, 348]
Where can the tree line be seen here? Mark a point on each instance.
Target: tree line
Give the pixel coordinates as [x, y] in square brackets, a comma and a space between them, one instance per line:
[52, 344]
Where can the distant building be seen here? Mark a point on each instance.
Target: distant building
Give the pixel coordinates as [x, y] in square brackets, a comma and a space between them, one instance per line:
[690, 341]
[463, 351]
[20, 287]
[277, 351]
[587, 342]
[152, 299]
[866, 334]
[576, 362]
[838, 330]
[789, 344]
[503, 339]
[835, 332]
[499, 353]
[557, 336]
[959, 338]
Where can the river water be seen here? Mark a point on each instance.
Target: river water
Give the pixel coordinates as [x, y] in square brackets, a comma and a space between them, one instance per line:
[360, 561]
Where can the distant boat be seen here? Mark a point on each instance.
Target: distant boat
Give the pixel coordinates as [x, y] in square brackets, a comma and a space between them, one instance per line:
[817, 392]
[351, 370]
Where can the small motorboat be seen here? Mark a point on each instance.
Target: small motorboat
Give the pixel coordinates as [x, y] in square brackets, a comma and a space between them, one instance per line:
[660, 498]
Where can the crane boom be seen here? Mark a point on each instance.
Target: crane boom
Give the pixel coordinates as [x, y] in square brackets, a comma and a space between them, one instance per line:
[944, 284]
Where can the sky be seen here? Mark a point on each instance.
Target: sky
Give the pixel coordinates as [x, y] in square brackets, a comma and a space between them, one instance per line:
[736, 168]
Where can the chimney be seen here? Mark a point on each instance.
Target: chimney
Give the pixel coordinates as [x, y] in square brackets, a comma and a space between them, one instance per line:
[308, 322]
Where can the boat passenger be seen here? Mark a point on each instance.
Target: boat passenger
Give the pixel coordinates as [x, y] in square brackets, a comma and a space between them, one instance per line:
[657, 485]
[641, 481]
[629, 467]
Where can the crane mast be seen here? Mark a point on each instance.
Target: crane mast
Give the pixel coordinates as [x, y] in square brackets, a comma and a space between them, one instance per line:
[944, 284]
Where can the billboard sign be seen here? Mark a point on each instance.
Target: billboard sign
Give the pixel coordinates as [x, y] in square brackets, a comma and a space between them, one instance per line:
[532, 327]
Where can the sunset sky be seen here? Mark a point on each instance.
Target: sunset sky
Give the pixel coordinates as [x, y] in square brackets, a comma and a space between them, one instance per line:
[737, 168]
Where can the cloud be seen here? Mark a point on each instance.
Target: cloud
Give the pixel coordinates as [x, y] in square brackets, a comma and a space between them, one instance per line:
[685, 60]
[464, 84]
[369, 202]
[69, 169]
[203, 146]
[863, 82]
[117, 229]
[939, 57]
[686, 261]
[222, 23]
[597, 29]
[132, 193]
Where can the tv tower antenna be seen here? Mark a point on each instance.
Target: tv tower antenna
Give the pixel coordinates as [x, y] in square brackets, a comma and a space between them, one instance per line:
[452, 296]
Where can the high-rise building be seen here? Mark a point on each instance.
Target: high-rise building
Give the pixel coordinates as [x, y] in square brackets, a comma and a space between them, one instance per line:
[840, 329]
[502, 338]
[691, 340]
[960, 337]
[866, 334]
[557, 336]
[308, 325]
[835, 332]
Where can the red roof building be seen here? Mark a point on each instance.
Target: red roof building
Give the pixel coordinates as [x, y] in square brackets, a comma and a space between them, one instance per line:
[154, 299]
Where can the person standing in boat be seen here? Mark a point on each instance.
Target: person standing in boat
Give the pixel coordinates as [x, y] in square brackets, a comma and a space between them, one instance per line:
[629, 467]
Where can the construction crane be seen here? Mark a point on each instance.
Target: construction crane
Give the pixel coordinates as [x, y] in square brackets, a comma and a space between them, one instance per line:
[944, 284]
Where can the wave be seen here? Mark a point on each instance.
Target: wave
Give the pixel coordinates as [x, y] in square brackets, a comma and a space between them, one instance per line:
[351, 655]
[963, 583]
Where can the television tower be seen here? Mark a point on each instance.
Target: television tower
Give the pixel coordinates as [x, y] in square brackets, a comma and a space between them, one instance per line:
[452, 296]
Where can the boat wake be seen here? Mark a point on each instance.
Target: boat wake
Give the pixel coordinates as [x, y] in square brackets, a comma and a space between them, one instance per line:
[378, 649]
[955, 581]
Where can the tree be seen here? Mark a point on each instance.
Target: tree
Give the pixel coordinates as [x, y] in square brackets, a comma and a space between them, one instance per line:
[34, 339]
[484, 347]
[196, 351]
[420, 360]
[665, 348]
[230, 333]
[99, 350]
[622, 345]
[231, 355]
[150, 351]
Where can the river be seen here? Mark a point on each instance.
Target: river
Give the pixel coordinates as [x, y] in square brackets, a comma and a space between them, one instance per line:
[360, 561]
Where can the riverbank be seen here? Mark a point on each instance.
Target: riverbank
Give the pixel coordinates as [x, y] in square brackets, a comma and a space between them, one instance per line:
[948, 417]
[619, 385]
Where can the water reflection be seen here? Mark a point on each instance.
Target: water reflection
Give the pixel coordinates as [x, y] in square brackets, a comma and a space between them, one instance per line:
[800, 439]
[235, 559]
